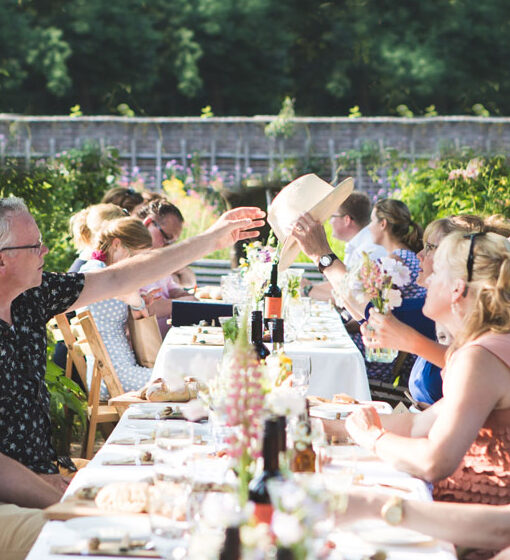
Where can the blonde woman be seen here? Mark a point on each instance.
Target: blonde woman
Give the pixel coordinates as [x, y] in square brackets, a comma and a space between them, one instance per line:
[85, 224]
[118, 240]
[462, 443]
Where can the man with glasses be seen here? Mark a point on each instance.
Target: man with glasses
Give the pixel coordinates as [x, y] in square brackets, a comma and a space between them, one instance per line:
[30, 297]
[350, 224]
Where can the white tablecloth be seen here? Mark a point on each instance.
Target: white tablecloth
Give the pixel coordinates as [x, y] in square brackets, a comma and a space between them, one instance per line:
[353, 544]
[337, 366]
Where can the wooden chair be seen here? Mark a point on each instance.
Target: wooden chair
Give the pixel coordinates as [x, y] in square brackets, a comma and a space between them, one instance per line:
[70, 333]
[388, 392]
[98, 412]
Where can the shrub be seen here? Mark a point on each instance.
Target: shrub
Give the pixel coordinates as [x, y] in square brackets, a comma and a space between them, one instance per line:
[54, 190]
[455, 185]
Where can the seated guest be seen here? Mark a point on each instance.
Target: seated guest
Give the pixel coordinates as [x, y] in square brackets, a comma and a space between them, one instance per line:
[425, 381]
[461, 442]
[497, 223]
[118, 240]
[465, 525]
[30, 297]
[23, 495]
[85, 224]
[392, 227]
[350, 224]
[164, 222]
[126, 198]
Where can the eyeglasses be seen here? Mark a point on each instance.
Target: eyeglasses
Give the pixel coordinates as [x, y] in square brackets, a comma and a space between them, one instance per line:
[338, 215]
[471, 257]
[168, 240]
[37, 247]
[429, 247]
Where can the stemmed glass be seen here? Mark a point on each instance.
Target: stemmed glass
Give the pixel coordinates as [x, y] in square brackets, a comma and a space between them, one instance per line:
[301, 373]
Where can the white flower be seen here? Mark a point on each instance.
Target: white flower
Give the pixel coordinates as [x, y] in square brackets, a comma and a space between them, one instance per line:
[285, 401]
[287, 528]
[398, 271]
[394, 299]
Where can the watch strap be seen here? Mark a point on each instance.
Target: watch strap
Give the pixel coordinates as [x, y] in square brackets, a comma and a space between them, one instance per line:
[322, 267]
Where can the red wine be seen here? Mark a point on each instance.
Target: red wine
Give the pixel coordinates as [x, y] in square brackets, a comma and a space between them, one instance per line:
[273, 296]
[260, 348]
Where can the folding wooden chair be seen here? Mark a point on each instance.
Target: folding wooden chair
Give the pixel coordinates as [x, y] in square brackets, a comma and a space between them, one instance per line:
[98, 412]
[70, 333]
[388, 392]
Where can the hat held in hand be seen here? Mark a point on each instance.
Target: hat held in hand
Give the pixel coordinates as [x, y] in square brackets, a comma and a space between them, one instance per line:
[308, 193]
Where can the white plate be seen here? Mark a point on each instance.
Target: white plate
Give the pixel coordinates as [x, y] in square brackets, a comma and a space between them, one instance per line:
[111, 527]
[330, 410]
[378, 533]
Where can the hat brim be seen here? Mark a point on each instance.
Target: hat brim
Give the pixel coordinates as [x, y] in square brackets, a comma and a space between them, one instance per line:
[321, 212]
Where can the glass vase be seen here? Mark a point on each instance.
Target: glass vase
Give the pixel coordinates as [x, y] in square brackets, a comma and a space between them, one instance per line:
[382, 355]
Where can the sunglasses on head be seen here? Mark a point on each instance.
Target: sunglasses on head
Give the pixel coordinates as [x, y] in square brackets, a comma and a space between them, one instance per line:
[471, 257]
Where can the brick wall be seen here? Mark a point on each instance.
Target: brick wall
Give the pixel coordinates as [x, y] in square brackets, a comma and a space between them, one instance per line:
[238, 143]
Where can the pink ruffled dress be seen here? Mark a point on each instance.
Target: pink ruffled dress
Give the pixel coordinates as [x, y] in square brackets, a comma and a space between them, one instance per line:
[483, 475]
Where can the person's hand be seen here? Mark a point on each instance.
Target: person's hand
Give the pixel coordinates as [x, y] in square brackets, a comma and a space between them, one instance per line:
[335, 430]
[388, 331]
[364, 426]
[311, 237]
[235, 225]
[59, 482]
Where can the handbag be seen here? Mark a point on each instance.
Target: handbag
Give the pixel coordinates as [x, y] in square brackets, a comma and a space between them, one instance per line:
[145, 338]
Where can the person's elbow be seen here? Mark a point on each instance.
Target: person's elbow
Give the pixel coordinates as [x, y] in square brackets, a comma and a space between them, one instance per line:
[439, 465]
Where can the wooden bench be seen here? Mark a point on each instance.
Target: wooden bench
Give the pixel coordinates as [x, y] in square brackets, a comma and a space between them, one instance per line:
[210, 271]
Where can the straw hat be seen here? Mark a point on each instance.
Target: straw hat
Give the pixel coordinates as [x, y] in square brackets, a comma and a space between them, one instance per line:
[308, 193]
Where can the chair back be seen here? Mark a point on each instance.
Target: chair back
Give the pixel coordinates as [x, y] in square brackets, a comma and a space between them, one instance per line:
[98, 413]
[70, 333]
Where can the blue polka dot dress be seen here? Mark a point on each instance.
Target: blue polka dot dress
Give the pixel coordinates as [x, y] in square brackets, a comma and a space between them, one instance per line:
[381, 371]
[111, 317]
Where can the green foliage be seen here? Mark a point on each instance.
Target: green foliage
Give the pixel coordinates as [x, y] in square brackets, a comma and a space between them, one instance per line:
[206, 112]
[125, 110]
[175, 56]
[404, 111]
[479, 110]
[75, 111]
[354, 112]
[65, 395]
[283, 126]
[455, 185]
[57, 189]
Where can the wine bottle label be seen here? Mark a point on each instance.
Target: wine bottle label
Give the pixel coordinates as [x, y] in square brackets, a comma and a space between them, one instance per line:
[272, 307]
[263, 513]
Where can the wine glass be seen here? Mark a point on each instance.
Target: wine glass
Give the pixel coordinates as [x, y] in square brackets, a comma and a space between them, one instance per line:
[168, 518]
[301, 373]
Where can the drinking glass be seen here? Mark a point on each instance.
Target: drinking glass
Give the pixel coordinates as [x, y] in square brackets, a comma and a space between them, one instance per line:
[168, 518]
[301, 373]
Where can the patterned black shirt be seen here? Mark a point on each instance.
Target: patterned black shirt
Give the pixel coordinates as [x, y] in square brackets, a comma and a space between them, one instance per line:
[25, 430]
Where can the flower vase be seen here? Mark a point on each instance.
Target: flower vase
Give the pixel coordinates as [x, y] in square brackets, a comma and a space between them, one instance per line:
[382, 355]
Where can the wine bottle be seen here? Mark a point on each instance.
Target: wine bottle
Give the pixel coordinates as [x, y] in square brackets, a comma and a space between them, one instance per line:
[285, 554]
[232, 546]
[273, 296]
[260, 348]
[303, 455]
[258, 492]
[280, 364]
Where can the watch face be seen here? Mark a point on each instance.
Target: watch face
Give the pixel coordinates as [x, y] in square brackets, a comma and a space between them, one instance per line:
[325, 260]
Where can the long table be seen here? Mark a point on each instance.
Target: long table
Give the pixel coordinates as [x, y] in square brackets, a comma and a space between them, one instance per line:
[353, 543]
[336, 364]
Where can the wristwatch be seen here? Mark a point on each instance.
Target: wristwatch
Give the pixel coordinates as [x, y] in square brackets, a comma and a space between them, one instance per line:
[326, 260]
[392, 511]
